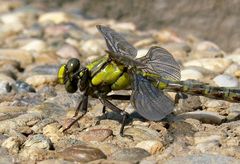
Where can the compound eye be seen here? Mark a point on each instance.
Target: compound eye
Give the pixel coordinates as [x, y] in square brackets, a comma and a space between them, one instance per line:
[62, 74]
[71, 86]
[73, 65]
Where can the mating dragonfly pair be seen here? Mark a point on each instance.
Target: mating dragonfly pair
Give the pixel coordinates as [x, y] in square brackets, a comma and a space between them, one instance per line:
[148, 77]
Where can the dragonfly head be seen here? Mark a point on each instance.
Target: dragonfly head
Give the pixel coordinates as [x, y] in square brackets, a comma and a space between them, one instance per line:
[69, 74]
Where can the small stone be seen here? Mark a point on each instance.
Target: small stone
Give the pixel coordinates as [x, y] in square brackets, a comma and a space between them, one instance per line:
[142, 52]
[209, 138]
[46, 58]
[6, 79]
[234, 113]
[166, 35]
[203, 158]
[22, 86]
[107, 148]
[55, 161]
[52, 131]
[38, 141]
[152, 146]
[130, 154]
[93, 47]
[21, 56]
[81, 153]
[35, 45]
[193, 74]
[55, 17]
[37, 80]
[232, 69]
[96, 135]
[204, 116]
[43, 69]
[68, 51]
[226, 81]
[212, 64]
[5, 87]
[234, 57]
[38, 127]
[144, 43]
[142, 133]
[12, 144]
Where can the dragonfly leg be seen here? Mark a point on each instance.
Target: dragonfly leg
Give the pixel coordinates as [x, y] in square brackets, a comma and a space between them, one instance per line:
[82, 106]
[118, 97]
[179, 96]
[108, 104]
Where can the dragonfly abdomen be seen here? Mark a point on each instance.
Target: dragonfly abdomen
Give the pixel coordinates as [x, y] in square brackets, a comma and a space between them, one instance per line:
[223, 93]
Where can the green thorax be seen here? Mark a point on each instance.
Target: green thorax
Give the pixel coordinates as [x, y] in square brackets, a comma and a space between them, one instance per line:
[106, 72]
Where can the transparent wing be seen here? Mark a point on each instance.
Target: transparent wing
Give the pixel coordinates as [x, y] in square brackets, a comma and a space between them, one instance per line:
[161, 62]
[150, 102]
[116, 43]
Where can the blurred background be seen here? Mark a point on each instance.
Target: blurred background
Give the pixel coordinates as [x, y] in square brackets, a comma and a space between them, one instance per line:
[214, 20]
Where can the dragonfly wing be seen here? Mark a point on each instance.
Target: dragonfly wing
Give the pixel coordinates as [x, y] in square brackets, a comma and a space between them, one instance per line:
[160, 61]
[150, 102]
[116, 43]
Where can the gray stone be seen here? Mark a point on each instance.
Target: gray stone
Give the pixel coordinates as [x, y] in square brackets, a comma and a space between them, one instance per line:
[81, 153]
[203, 158]
[226, 81]
[131, 154]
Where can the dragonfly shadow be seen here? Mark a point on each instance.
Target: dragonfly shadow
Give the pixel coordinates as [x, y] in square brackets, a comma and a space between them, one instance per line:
[118, 117]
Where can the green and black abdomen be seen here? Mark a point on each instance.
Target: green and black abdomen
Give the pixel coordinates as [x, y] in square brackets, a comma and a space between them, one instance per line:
[108, 73]
[201, 89]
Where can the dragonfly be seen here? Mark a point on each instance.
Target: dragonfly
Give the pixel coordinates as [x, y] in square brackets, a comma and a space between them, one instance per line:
[149, 77]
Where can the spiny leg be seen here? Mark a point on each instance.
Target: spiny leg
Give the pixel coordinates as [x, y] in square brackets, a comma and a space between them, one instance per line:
[115, 97]
[108, 104]
[82, 106]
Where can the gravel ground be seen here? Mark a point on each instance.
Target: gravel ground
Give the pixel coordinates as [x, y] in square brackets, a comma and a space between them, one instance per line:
[33, 107]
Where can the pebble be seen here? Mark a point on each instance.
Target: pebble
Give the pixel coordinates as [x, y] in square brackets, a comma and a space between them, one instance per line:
[203, 158]
[38, 141]
[68, 51]
[204, 117]
[142, 52]
[130, 154]
[151, 146]
[234, 57]
[55, 17]
[38, 127]
[38, 80]
[22, 86]
[106, 148]
[12, 144]
[213, 64]
[6, 79]
[142, 133]
[81, 153]
[206, 49]
[226, 81]
[98, 135]
[5, 87]
[35, 45]
[54, 161]
[193, 74]
[234, 113]
[52, 131]
[232, 69]
[21, 56]
[43, 69]
[93, 47]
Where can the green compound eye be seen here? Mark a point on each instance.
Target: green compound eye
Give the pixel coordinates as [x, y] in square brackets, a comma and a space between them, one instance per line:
[71, 86]
[62, 74]
[73, 65]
